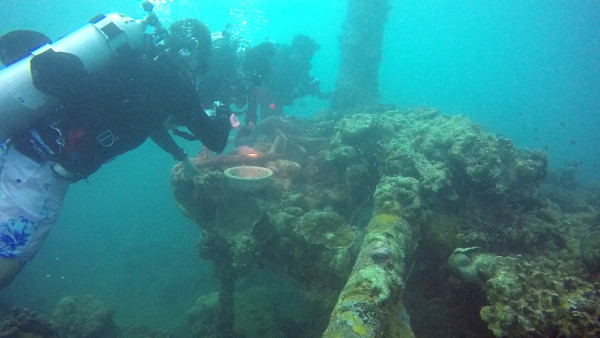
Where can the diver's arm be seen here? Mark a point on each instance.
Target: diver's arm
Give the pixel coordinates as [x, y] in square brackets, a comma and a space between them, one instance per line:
[213, 132]
[162, 138]
[166, 142]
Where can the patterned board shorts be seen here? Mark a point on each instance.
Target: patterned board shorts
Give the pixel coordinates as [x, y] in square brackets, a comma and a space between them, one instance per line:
[31, 196]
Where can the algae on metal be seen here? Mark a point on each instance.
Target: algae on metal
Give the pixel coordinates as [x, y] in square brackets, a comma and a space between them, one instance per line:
[370, 304]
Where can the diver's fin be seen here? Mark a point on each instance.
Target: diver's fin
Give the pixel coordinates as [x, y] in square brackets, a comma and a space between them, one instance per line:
[18, 44]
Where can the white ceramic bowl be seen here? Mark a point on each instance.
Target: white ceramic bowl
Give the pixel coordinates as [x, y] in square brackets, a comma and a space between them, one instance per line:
[248, 178]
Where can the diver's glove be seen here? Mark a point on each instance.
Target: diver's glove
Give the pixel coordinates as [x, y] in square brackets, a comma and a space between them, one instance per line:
[222, 112]
[218, 110]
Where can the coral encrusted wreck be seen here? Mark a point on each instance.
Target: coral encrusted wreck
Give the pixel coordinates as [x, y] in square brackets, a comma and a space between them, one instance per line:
[406, 223]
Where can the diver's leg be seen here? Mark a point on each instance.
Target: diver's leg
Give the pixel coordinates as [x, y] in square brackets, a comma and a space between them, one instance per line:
[9, 268]
[31, 195]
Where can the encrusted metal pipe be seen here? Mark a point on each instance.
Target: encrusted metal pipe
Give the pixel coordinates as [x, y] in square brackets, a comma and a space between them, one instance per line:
[370, 305]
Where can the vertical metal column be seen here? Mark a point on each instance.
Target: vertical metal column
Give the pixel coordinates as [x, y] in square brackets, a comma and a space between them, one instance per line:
[360, 48]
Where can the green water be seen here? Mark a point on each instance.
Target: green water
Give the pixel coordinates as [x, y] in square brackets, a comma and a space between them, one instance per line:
[528, 70]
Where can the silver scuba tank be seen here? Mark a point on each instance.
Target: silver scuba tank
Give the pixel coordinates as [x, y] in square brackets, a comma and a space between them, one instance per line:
[95, 44]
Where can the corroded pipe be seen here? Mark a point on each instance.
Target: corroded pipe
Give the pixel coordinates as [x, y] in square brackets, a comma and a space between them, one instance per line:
[370, 305]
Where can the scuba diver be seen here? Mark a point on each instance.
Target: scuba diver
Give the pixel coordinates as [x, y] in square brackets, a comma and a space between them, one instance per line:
[290, 76]
[220, 83]
[282, 75]
[139, 93]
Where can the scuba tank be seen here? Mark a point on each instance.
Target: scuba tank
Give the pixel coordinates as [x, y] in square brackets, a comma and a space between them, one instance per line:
[95, 44]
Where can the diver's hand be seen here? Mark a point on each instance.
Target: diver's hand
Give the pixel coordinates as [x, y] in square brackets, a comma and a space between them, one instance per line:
[189, 169]
[221, 110]
[235, 124]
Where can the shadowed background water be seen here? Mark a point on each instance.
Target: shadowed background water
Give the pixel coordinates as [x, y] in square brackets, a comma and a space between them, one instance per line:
[526, 70]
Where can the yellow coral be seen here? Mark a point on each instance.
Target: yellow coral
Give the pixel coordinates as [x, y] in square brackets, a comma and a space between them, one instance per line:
[383, 223]
[360, 329]
[386, 218]
[357, 326]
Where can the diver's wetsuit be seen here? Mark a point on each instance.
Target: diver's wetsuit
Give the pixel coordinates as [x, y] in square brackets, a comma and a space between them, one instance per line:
[116, 109]
[101, 115]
